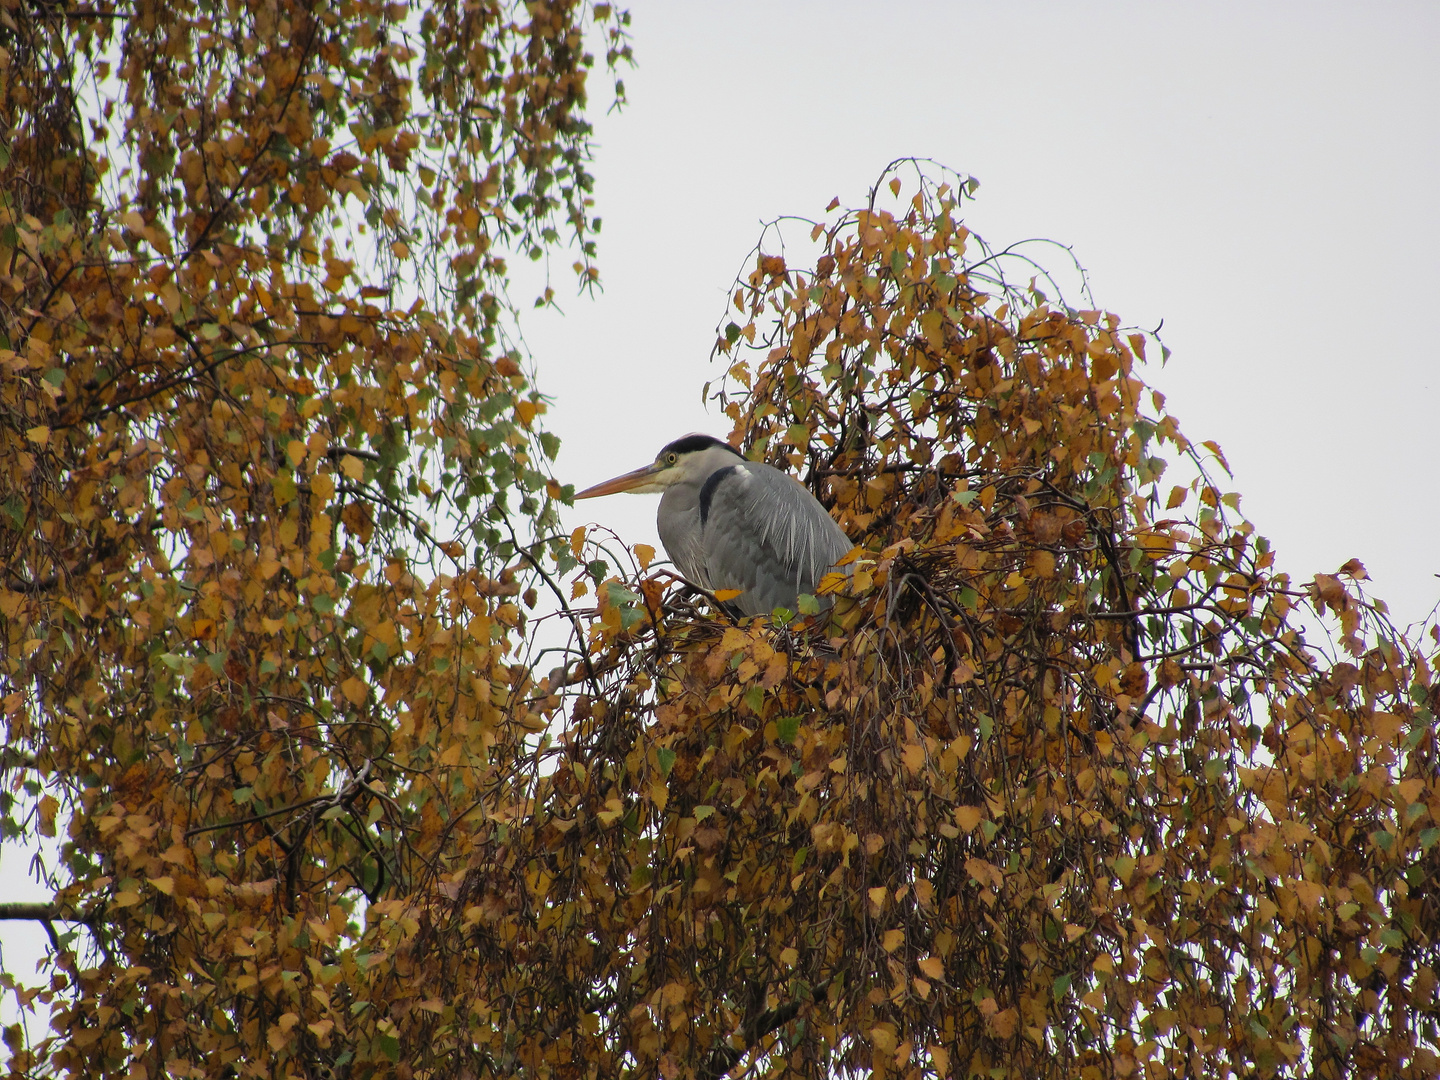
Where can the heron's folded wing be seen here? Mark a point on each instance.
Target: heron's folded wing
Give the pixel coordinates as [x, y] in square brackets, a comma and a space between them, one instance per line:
[765, 534]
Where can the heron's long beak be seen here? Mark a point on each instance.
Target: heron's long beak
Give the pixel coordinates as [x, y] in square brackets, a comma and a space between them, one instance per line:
[637, 480]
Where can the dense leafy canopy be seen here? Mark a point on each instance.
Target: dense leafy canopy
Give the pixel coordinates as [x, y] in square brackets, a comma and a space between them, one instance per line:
[1060, 790]
[1058, 787]
[263, 446]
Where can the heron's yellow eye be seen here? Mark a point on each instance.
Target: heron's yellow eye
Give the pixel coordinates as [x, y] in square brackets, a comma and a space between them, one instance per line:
[670, 459]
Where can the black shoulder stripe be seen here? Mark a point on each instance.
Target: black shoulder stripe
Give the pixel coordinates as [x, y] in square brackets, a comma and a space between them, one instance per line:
[707, 490]
[688, 444]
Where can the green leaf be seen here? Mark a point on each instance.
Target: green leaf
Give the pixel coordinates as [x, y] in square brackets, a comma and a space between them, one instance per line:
[666, 757]
[703, 812]
[786, 728]
[755, 698]
[1060, 986]
[390, 1046]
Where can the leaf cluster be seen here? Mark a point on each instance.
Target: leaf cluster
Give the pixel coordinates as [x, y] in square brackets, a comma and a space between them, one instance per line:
[268, 459]
[1058, 787]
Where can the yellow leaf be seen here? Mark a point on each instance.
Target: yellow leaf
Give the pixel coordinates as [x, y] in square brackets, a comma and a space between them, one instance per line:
[49, 807]
[1177, 496]
[883, 1036]
[913, 756]
[1004, 1023]
[38, 435]
[1156, 545]
[164, 884]
[892, 940]
[727, 594]
[933, 967]
[877, 899]
[355, 689]
[525, 411]
[1214, 448]
[352, 467]
[789, 956]
[645, 553]
[967, 817]
[1310, 894]
[940, 1058]
[672, 993]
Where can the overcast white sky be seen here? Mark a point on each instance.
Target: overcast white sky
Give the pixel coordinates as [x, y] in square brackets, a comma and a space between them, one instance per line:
[1261, 176]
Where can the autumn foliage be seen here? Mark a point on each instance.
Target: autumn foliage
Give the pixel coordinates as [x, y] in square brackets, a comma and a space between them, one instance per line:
[264, 445]
[1061, 789]
[1064, 784]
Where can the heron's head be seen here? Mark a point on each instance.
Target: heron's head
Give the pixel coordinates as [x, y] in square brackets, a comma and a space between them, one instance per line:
[687, 460]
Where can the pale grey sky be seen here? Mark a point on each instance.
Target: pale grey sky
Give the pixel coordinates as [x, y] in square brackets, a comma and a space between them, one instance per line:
[1261, 176]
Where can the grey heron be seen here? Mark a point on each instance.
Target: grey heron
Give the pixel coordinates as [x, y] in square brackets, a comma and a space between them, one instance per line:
[730, 523]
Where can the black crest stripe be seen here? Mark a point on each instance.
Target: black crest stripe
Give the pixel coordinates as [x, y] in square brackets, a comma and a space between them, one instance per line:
[688, 444]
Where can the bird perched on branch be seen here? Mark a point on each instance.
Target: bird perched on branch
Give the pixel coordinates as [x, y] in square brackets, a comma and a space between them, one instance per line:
[732, 524]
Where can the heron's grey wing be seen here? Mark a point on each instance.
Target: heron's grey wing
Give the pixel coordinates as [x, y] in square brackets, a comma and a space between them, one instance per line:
[765, 534]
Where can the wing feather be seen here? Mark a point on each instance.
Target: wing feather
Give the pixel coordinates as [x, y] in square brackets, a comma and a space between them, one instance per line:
[766, 535]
